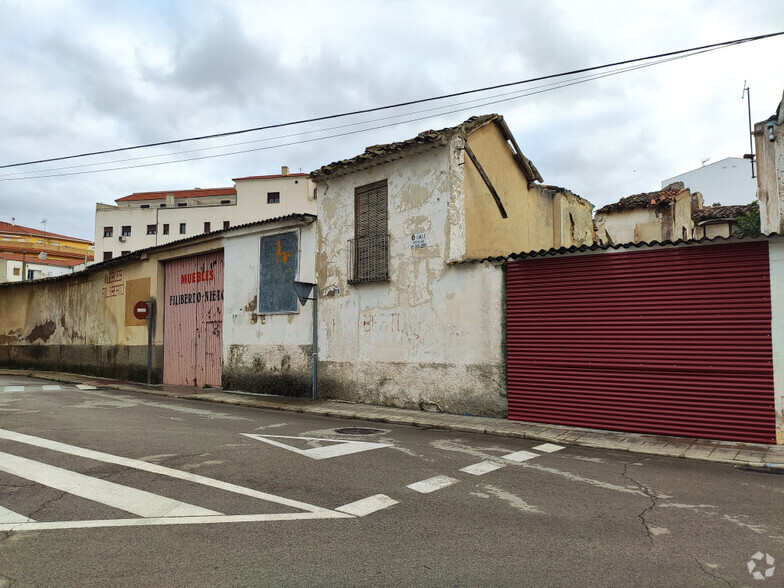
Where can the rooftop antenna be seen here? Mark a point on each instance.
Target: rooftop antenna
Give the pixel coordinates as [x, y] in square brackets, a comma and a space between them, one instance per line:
[750, 154]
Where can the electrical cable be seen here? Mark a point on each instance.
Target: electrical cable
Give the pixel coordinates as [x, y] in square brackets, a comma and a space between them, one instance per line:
[398, 105]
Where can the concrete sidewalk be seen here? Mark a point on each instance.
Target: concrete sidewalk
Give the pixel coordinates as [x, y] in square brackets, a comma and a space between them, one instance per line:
[731, 452]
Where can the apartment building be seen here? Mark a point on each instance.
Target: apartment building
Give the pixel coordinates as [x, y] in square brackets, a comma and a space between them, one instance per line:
[149, 219]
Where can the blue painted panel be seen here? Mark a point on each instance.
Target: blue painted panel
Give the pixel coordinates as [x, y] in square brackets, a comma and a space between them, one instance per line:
[278, 264]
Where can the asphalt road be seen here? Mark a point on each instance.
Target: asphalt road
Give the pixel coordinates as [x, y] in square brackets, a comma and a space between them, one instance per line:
[102, 488]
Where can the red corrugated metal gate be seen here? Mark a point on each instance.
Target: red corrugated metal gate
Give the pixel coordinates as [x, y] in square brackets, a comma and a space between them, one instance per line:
[672, 341]
[193, 321]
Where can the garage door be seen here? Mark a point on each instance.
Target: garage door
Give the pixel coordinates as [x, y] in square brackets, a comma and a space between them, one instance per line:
[671, 341]
[193, 321]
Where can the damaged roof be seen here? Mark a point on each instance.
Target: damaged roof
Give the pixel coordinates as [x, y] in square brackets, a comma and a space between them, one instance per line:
[378, 154]
[646, 200]
[719, 213]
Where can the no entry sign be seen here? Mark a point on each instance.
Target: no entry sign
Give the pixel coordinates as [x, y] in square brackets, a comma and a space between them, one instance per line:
[141, 310]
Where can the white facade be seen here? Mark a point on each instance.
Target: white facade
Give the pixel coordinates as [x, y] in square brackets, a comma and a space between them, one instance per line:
[150, 219]
[12, 270]
[263, 351]
[726, 182]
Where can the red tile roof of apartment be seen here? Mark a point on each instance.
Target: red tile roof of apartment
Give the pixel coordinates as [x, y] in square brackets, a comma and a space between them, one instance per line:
[34, 259]
[194, 193]
[645, 200]
[14, 229]
[272, 177]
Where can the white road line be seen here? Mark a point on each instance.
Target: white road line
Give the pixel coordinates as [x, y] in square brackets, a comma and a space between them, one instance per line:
[432, 484]
[520, 456]
[483, 467]
[86, 387]
[368, 505]
[164, 471]
[50, 387]
[138, 502]
[292, 516]
[9, 516]
[13, 389]
[548, 448]
[339, 447]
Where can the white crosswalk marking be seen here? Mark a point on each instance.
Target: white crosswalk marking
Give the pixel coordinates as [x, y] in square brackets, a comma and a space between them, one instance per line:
[50, 387]
[481, 468]
[368, 505]
[432, 484]
[86, 387]
[13, 389]
[520, 456]
[9, 516]
[131, 500]
[548, 447]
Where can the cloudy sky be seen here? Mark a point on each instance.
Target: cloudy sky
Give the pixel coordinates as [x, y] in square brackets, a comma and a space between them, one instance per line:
[94, 75]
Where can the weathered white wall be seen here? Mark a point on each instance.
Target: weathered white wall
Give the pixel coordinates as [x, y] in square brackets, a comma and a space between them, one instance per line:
[432, 336]
[776, 253]
[770, 177]
[265, 353]
[250, 204]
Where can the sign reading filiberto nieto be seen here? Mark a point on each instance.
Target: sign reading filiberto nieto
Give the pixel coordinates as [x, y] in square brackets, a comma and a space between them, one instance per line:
[200, 296]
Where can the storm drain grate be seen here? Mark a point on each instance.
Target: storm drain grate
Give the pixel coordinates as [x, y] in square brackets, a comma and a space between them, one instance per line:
[357, 431]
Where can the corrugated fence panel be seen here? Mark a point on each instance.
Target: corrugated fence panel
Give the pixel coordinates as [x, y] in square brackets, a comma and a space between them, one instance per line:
[671, 341]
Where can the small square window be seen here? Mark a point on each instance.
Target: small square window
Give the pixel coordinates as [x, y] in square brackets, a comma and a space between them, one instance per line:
[16, 271]
[107, 255]
[181, 204]
[226, 224]
[152, 229]
[206, 227]
[165, 229]
[273, 197]
[124, 252]
[126, 231]
[145, 206]
[163, 205]
[108, 231]
[182, 228]
[225, 202]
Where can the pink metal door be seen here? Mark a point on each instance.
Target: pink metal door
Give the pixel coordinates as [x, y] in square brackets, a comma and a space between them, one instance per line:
[193, 321]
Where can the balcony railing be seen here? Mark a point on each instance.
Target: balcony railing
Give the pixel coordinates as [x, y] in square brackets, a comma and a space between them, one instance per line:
[368, 259]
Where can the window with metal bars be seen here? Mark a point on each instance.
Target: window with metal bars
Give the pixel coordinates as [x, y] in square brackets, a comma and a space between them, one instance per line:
[369, 249]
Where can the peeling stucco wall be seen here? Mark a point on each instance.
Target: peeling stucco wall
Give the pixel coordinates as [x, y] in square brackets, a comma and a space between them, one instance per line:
[770, 177]
[265, 353]
[671, 221]
[776, 257]
[77, 323]
[432, 336]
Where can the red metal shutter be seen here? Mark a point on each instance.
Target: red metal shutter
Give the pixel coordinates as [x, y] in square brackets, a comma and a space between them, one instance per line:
[671, 341]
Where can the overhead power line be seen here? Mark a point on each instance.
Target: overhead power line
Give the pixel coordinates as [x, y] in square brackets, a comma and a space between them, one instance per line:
[692, 50]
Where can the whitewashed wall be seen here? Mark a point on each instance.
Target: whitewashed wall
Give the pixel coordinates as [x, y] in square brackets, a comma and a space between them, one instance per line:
[267, 353]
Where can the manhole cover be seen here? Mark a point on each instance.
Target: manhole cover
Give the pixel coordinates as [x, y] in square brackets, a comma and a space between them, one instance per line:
[357, 431]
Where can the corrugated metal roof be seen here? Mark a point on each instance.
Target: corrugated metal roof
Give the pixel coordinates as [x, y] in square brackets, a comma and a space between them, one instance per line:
[555, 252]
[103, 265]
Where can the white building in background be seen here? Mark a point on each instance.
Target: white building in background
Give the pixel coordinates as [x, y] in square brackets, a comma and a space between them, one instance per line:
[148, 219]
[726, 182]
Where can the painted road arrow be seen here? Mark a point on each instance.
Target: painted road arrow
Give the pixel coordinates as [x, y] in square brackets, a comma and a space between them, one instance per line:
[338, 448]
